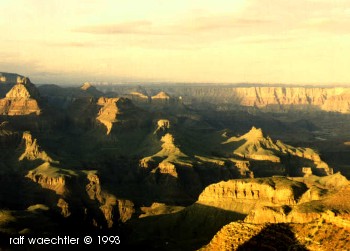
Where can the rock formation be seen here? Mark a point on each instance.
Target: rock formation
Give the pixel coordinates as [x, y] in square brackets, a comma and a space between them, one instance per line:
[139, 95]
[162, 126]
[161, 95]
[254, 146]
[327, 99]
[32, 150]
[278, 199]
[86, 86]
[110, 206]
[90, 90]
[244, 195]
[321, 234]
[169, 155]
[50, 177]
[22, 99]
[118, 111]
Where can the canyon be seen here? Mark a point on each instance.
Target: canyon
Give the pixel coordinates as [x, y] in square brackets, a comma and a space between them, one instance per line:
[176, 166]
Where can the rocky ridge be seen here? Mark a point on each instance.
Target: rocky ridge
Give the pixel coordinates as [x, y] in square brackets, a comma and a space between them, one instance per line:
[326, 99]
[22, 99]
[255, 146]
[117, 111]
[277, 199]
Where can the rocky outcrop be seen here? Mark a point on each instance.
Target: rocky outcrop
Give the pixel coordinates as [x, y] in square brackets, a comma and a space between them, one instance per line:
[159, 208]
[139, 95]
[50, 177]
[317, 235]
[89, 90]
[162, 126]
[118, 112]
[110, 206]
[279, 199]
[232, 236]
[169, 155]
[262, 97]
[244, 195]
[161, 96]
[22, 99]
[255, 146]
[327, 99]
[32, 150]
[86, 86]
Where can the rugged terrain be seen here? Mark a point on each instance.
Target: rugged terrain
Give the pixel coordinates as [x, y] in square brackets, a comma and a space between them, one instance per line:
[176, 166]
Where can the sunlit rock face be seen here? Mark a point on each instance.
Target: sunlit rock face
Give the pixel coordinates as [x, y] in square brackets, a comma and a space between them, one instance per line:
[118, 113]
[244, 195]
[22, 99]
[326, 99]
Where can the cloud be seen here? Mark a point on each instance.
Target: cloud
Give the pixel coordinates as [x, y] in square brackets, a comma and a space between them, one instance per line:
[219, 22]
[75, 44]
[136, 27]
[340, 26]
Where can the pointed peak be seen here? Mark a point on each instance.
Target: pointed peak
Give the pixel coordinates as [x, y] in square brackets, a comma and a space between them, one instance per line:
[255, 133]
[23, 90]
[86, 86]
[161, 95]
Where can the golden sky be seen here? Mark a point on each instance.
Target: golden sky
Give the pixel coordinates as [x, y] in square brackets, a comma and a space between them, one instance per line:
[219, 41]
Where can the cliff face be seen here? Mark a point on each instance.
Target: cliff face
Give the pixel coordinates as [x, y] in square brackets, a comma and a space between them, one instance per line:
[118, 112]
[244, 195]
[322, 234]
[50, 177]
[255, 146]
[327, 99]
[22, 99]
[32, 150]
[280, 199]
[110, 206]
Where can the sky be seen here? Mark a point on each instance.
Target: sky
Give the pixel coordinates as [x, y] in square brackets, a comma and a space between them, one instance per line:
[211, 41]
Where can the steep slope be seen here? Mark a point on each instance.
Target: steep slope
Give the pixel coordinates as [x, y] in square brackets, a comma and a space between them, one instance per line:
[161, 96]
[244, 195]
[265, 98]
[22, 99]
[89, 89]
[318, 235]
[255, 146]
[32, 150]
[118, 112]
[165, 171]
[279, 199]
[327, 99]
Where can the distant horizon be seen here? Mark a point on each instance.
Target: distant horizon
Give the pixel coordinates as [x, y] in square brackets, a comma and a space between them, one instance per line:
[145, 82]
[302, 42]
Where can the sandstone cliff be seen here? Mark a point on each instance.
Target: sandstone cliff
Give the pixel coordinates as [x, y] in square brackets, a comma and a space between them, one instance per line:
[317, 235]
[51, 177]
[116, 112]
[111, 207]
[244, 195]
[327, 99]
[255, 146]
[32, 150]
[81, 189]
[280, 199]
[22, 99]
